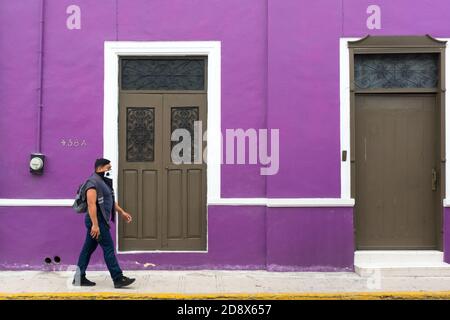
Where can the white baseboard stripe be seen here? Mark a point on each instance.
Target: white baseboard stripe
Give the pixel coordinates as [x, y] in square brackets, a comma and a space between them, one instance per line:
[269, 202]
[285, 202]
[238, 202]
[310, 202]
[36, 202]
[446, 202]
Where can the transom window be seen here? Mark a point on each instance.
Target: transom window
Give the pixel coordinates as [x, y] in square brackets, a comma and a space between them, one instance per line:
[163, 73]
[399, 70]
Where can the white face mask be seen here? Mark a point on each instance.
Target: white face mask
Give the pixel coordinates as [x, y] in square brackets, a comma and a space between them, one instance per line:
[109, 174]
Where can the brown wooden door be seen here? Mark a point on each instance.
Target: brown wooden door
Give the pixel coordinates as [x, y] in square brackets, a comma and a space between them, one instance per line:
[167, 200]
[397, 171]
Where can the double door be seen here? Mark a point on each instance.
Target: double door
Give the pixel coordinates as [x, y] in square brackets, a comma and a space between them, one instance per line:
[166, 198]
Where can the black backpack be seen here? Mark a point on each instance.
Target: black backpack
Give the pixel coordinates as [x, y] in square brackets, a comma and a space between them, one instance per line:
[80, 203]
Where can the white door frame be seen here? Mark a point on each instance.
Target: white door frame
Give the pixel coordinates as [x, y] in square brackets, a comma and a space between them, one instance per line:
[115, 49]
[344, 67]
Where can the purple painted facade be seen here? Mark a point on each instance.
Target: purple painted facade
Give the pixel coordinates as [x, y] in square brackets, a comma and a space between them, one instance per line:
[280, 69]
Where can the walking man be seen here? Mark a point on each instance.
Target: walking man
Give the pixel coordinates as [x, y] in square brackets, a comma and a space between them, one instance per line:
[101, 209]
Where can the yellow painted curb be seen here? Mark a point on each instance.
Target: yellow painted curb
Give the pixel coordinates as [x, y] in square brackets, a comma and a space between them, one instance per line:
[226, 296]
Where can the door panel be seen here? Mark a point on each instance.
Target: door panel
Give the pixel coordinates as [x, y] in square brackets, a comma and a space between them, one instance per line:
[149, 205]
[140, 170]
[174, 204]
[194, 209]
[130, 201]
[185, 195]
[396, 148]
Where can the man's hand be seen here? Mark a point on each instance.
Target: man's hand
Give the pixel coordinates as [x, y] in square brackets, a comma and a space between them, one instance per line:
[95, 232]
[127, 217]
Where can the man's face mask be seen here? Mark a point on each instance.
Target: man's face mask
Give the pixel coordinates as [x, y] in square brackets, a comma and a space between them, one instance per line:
[109, 174]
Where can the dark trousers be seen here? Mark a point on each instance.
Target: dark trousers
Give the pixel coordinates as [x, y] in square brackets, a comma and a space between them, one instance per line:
[90, 244]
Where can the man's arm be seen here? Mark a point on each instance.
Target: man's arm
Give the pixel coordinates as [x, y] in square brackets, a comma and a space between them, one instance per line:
[118, 208]
[92, 209]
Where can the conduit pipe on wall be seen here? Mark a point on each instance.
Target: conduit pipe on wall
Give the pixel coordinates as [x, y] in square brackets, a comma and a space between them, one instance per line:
[40, 70]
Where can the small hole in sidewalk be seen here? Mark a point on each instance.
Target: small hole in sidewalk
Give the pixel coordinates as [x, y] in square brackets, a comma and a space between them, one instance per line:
[47, 260]
[57, 259]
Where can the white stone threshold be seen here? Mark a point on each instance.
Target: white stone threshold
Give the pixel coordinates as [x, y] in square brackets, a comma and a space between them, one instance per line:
[429, 263]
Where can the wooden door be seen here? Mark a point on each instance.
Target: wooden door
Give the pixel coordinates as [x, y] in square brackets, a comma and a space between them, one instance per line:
[397, 171]
[184, 184]
[141, 170]
[166, 199]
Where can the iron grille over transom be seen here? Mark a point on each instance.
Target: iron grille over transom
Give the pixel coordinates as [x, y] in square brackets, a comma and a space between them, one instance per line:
[163, 74]
[405, 70]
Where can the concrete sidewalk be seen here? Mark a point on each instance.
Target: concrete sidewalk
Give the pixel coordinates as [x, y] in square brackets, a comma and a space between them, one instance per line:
[223, 284]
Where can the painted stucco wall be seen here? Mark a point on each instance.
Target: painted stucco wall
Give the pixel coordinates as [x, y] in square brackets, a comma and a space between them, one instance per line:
[280, 69]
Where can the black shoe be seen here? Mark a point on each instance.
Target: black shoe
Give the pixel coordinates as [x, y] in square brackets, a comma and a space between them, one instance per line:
[123, 282]
[83, 282]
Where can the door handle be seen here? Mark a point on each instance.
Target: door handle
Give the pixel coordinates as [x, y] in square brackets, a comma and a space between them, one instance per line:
[433, 179]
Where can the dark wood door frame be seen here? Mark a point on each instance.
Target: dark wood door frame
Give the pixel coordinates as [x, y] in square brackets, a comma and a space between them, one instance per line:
[401, 44]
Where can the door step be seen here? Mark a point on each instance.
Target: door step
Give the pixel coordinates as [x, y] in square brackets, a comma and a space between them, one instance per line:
[426, 263]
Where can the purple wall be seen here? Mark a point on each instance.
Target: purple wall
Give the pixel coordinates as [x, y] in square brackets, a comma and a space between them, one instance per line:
[313, 239]
[280, 69]
[27, 236]
[304, 97]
